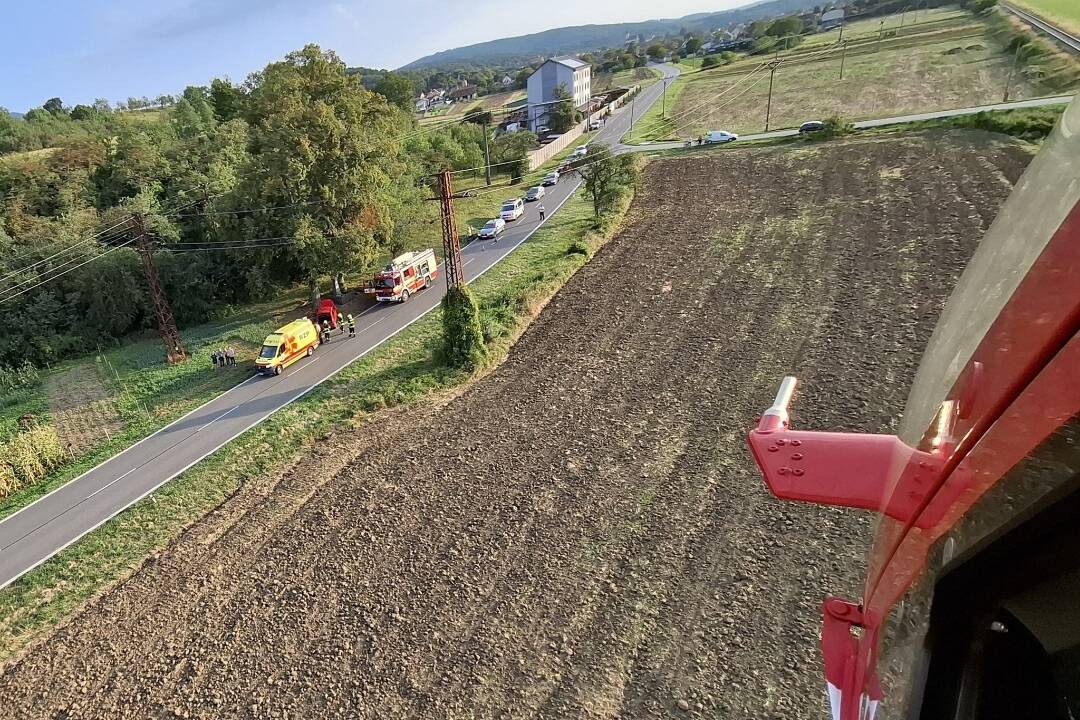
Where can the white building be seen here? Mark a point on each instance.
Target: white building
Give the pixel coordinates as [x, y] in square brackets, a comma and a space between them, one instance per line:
[830, 19]
[570, 72]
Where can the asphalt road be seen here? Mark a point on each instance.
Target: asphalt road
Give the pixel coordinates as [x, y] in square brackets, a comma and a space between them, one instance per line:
[880, 122]
[35, 533]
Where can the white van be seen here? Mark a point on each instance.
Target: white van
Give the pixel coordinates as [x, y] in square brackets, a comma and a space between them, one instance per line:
[720, 136]
[512, 209]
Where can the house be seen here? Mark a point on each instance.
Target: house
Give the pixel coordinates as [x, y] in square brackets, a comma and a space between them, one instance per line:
[571, 73]
[831, 19]
[466, 92]
[421, 104]
[507, 81]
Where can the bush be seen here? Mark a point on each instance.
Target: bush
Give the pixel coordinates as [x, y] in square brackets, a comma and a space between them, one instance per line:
[463, 337]
[836, 126]
[1026, 123]
[28, 457]
[15, 378]
[578, 248]
[711, 61]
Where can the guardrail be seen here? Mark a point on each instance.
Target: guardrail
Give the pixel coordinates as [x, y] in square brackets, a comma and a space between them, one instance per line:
[1070, 41]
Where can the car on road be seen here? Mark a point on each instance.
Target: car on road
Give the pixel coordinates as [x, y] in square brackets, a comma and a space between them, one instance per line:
[720, 136]
[535, 193]
[594, 125]
[811, 126]
[580, 151]
[512, 209]
[492, 228]
[551, 178]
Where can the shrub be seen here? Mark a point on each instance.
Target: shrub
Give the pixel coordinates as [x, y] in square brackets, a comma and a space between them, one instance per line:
[463, 337]
[578, 248]
[711, 61]
[15, 378]
[28, 457]
[836, 126]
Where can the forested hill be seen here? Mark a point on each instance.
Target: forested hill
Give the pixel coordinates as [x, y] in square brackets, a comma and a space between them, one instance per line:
[582, 38]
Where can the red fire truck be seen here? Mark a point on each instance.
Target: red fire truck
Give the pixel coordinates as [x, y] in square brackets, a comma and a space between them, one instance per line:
[405, 275]
[970, 606]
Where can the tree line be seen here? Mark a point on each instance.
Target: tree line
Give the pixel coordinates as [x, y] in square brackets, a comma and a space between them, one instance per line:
[297, 175]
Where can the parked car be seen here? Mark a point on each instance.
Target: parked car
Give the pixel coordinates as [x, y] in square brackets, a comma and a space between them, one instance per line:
[720, 136]
[594, 125]
[551, 178]
[512, 209]
[811, 126]
[535, 193]
[580, 150]
[492, 228]
[541, 129]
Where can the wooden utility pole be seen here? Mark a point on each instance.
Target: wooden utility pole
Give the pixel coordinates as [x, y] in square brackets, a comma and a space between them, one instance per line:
[768, 106]
[455, 275]
[170, 335]
[632, 101]
[487, 154]
[663, 111]
[880, 32]
[843, 57]
[1012, 69]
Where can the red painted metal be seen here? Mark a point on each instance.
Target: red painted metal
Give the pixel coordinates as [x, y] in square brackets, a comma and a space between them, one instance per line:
[1019, 386]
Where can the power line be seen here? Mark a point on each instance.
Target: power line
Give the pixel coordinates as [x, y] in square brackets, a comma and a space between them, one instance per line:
[61, 252]
[63, 264]
[251, 210]
[50, 279]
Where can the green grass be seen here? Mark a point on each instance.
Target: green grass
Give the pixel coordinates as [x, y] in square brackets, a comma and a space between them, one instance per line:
[400, 371]
[929, 70]
[1063, 13]
[643, 76]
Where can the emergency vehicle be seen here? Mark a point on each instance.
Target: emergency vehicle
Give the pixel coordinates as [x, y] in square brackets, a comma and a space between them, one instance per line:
[970, 605]
[286, 345]
[405, 275]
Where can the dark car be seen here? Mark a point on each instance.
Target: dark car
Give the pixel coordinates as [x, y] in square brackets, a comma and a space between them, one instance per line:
[811, 126]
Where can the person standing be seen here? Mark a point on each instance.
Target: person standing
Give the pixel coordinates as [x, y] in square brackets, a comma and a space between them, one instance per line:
[230, 355]
[213, 357]
[541, 212]
[352, 326]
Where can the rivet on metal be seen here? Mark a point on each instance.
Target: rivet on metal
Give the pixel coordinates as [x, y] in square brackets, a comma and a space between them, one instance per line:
[798, 472]
[796, 456]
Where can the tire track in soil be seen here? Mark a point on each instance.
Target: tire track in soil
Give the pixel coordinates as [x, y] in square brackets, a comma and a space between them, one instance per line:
[581, 534]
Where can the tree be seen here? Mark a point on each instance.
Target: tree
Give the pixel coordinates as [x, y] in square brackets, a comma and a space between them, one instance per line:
[463, 338]
[226, 100]
[164, 100]
[398, 90]
[83, 112]
[561, 116]
[692, 44]
[510, 152]
[607, 177]
[54, 106]
[656, 52]
[102, 106]
[711, 61]
[326, 141]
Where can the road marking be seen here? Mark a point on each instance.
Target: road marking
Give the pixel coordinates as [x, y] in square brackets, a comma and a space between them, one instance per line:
[372, 325]
[7, 581]
[217, 418]
[110, 483]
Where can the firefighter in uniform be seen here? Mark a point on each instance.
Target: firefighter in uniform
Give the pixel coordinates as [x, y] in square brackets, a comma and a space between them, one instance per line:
[325, 331]
[352, 326]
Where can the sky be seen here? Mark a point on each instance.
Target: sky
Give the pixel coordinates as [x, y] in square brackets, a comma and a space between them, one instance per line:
[79, 50]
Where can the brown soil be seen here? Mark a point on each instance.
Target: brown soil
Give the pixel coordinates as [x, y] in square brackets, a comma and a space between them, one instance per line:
[582, 533]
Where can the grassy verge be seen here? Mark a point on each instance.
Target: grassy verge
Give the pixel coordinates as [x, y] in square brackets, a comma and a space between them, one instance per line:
[952, 59]
[401, 370]
[1030, 124]
[1063, 13]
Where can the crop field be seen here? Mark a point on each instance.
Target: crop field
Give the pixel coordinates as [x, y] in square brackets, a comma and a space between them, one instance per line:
[1063, 13]
[602, 82]
[487, 102]
[580, 533]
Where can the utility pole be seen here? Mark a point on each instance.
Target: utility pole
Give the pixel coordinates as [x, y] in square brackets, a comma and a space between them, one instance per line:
[451, 243]
[170, 336]
[487, 154]
[843, 57]
[841, 38]
[880, 32]
[768, 107]
[1012, 69]
[663, 111]
[632, 101]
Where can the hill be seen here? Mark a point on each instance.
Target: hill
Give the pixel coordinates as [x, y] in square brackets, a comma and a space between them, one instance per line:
[581, 38]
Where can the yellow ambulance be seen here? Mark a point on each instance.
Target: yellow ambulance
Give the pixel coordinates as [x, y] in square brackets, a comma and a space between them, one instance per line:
[287, 345]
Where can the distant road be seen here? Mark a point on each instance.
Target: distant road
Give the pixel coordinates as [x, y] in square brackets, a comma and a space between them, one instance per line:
[880, 122]
[38, 531]
[1065, 38]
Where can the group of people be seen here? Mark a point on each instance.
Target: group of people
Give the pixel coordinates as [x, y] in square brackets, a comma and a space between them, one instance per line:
[223, 356]
[342, 321]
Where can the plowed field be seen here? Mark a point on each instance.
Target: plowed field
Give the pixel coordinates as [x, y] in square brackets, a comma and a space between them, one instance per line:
[581, 533]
